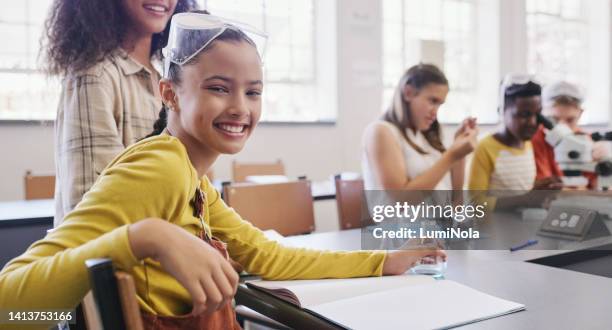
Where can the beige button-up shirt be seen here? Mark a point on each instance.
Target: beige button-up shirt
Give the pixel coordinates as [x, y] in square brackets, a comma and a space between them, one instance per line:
[101, 111]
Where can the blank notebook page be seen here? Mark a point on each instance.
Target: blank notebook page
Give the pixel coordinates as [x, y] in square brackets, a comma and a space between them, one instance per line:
[440, 304]
[316, 292]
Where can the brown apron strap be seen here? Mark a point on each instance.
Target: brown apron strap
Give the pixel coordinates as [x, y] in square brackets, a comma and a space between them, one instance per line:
[223, 318]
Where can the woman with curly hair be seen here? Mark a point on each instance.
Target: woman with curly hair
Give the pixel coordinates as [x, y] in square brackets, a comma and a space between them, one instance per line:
[156, 215]
[104, 52]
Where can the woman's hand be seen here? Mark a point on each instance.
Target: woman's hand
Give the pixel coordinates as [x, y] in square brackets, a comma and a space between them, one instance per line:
[464, 144]
[468, 123]
[549, 183]
[543, 193]
[601, 150]
[203, 271]
[398, 262]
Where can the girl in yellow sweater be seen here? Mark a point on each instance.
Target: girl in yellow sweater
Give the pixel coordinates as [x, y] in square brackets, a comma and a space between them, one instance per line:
[150, 206]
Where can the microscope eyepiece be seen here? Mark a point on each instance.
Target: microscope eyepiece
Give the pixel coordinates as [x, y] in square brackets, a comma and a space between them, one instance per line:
[545, 121]
[597, 136]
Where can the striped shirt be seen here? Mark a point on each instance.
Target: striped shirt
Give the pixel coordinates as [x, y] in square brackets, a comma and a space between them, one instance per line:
[496, 166]
[101, 111]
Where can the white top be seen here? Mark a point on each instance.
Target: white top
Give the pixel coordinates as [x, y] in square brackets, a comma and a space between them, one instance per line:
[514, 173]
[415, 163]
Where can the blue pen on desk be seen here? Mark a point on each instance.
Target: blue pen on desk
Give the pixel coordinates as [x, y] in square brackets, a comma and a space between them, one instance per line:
[524, 245]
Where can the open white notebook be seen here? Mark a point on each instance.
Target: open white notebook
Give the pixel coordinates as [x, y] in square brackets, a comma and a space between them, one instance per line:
[406, 301]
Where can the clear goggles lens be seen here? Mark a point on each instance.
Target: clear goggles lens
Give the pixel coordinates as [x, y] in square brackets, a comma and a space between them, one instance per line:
[511, 80]
[190, 33]
[518, 79]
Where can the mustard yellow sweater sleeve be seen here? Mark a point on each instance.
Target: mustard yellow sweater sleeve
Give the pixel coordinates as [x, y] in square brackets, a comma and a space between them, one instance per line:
[248, 246]
[154, 179]
[481, 167]
[52, 272]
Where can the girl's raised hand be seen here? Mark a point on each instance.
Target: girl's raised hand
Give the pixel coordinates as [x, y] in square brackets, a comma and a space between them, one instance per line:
[468, 123]
[203, 271]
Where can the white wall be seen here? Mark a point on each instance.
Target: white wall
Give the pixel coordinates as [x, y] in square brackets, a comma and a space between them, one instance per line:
[23, 147]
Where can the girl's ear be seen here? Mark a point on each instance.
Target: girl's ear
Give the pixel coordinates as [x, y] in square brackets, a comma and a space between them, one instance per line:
[169, 98]
[409, 93]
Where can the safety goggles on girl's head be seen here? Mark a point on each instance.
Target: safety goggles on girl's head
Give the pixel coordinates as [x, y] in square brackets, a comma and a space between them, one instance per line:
[190, 33]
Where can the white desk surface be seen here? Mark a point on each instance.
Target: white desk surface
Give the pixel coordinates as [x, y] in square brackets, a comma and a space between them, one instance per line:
[325, 189]
[26, 210]
[555, 298]
[45, 208]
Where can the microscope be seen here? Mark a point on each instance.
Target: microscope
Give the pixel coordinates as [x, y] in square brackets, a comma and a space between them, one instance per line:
[573, 153]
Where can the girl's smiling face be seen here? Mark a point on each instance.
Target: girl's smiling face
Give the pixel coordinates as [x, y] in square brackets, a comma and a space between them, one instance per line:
[148, 16]
[217, 104]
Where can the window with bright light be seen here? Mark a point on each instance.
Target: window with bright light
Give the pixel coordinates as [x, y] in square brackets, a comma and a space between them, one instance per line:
[569, 40]
[299, 65]
[25, 92]
[461, 36]
[299, 87]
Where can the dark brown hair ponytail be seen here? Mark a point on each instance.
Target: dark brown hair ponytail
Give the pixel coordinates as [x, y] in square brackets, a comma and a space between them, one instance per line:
[160, 123]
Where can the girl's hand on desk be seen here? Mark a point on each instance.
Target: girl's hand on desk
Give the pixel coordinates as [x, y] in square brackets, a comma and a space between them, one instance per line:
[206, 275]
[398, 262]
[549, 183]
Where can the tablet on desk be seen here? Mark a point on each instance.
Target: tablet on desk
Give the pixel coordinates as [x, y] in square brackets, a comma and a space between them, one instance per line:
[281, 310]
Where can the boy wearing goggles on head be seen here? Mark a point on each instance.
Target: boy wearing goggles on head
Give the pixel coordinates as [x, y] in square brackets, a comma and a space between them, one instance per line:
[562, 102]
[504, 161]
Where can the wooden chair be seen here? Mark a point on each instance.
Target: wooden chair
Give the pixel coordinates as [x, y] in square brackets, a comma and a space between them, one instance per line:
[241, 170]
[350, 201]
[114, 294]
[285, 207]
[39, 186]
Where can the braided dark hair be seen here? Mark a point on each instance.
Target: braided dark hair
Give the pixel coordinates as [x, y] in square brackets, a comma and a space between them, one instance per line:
[194, 41]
